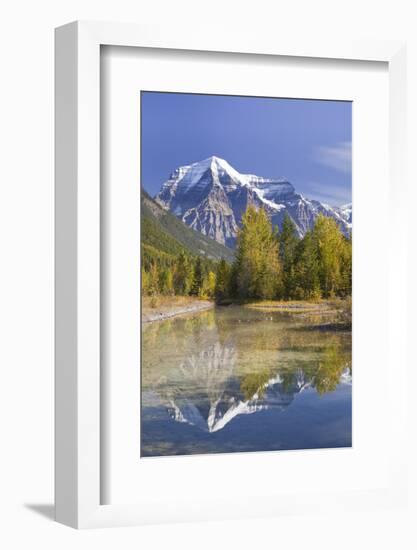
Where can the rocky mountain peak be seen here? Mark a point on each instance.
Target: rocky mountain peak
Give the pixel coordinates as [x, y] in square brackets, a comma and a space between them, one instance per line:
[211, 196]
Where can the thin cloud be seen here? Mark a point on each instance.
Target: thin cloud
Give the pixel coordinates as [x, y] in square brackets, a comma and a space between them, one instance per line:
[338, 157]
[334, 195]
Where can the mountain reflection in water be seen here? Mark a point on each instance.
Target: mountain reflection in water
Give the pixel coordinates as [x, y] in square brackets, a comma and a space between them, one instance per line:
[227, 380]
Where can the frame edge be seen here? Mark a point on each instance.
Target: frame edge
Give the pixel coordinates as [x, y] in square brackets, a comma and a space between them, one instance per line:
[66, 345]
[77, 44]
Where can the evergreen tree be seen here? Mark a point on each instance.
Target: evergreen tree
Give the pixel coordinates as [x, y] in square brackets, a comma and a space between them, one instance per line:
[346, 268]
[197, 284]
[288, 242]
[183, 275]
[211, 284]
[223, 275]
[306, 269]
[145, 282]
[166, 282]
[169, 285]
[233, 276]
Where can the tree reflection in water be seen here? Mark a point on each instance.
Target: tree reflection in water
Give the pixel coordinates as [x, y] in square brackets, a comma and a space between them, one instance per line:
[207, 373]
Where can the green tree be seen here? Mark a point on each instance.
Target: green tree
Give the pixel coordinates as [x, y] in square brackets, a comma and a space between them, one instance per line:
[145, 282]
[346, 268]
[329, 243]
[288, 242]
[306, 269]
[183, 276]
[253, 384]
[153, 280]
[233, 277]
[197, 283]
[223, 275]
[166, 282]
[330, 369]
[257, 263]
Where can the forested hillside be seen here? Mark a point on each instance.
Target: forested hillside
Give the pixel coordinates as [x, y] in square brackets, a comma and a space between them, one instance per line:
[176, 259]
[163, 231]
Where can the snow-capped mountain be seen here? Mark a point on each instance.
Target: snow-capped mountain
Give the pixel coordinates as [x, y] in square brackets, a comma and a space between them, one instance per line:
[219, 399]
[211, 196]
[346, 212]
[217, 411]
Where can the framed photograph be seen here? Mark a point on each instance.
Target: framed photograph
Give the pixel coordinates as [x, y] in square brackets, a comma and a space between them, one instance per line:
[228, 326]
[246, 305]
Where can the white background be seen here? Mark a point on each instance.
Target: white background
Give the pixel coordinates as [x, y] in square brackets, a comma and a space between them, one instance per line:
[26, 286]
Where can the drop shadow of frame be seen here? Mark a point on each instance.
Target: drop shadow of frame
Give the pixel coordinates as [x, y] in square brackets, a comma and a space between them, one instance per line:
[45, 510]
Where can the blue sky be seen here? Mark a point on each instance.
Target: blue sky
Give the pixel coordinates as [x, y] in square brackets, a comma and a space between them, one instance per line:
[309, 142]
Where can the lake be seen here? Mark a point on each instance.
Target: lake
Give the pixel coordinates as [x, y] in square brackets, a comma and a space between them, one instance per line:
[235, 379]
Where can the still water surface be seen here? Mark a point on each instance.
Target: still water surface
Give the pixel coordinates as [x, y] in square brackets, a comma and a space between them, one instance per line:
[238, 379]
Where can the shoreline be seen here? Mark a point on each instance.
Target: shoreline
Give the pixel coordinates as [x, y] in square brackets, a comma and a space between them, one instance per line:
[167, 311]
[169, 307]
[297, 306]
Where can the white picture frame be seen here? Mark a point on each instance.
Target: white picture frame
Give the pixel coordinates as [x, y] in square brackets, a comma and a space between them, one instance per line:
[78, 406]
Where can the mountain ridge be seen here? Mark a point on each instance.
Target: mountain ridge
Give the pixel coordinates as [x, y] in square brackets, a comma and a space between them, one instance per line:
[166, 233]
[210, 196]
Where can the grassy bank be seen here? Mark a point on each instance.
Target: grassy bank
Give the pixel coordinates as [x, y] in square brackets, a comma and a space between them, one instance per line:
[301, 306]
[331, 312]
